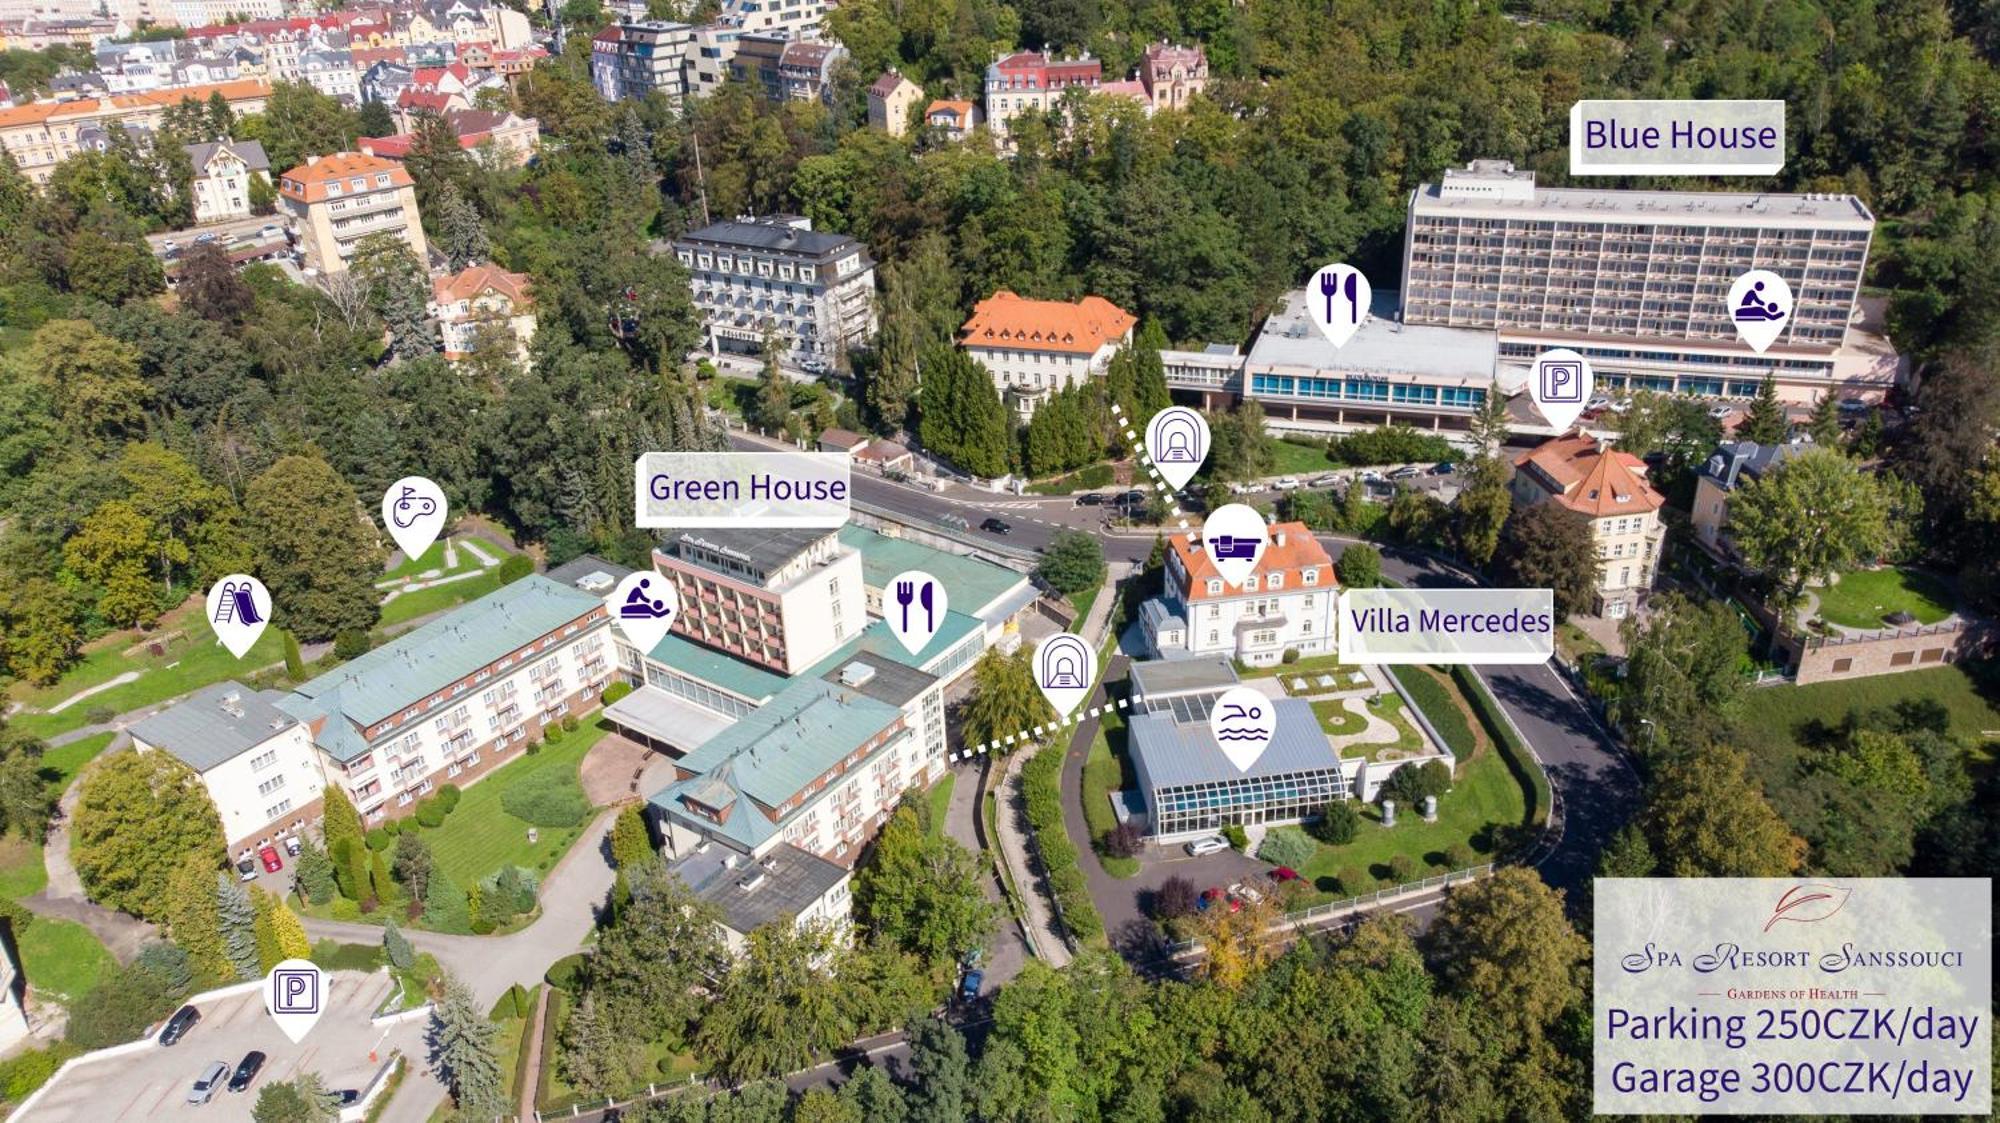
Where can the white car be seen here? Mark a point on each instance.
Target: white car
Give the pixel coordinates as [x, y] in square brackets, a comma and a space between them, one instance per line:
[1289, 483]
[205, 1085]
[1200, 847]
[1721, 411]
[1246, 892]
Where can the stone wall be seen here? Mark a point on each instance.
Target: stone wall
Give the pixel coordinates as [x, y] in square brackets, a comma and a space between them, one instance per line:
[1825, 659]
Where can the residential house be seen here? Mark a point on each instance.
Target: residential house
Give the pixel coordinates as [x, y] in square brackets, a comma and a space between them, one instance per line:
[1608, 488]
[223, 174]
[1287, 604]
[633, 58]
[776, 277]
[890, 99]
[1033, 348]
[336, 201]
[482, 299]
[953, 120]
[1034, 80]
[1732, 465]
[498, 137]
[1173, 75]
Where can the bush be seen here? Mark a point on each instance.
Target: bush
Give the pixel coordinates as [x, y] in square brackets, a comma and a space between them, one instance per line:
[449, 796]
[1359, 567]
[570, 723]
[513, 1003]
[1236, 837]
[378, 839]
[344, 908]
[21, 1074]
[431, 813]
[546, 801]
[515, 567]
[1354, 880]
[1124, 840]
[569, 973]
[350, 643]
[332, 955]
[1040, 789]
[1459, 856]
[1390, 444]
[1409, 784]
[1338, 824]
[614, 692]
[1176, 897]
[120, 1009]
[1287, 846]
[1402, 868]
[99, 715]
[16, 915]
[551, 733]
[1290, 656]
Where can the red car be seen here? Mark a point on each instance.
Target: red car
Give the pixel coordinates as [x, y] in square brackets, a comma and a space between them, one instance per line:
[1216, 894]
[1284, 873]
[272, 863]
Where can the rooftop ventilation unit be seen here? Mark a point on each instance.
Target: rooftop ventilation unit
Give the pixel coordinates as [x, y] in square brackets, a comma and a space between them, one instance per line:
[856, 675]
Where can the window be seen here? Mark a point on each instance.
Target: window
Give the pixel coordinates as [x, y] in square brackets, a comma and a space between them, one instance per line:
[263, 760]
[1277, 581]
[271, 785]
[1214, 588]
[1311, 578]
[277, 809]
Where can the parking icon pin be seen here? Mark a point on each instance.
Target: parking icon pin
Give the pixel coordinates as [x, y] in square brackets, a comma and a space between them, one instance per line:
[295, 996]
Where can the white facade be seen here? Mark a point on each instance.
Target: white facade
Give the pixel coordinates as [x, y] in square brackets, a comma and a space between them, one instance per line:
[261, 769]
[1288, 603]
[1027, 378]
[812, 293]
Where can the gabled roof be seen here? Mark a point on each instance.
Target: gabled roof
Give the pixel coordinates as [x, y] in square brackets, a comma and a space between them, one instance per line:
[248, 151]
[888, 84]
[1599, 482]
[308, 182]
[1007, 320]
[961, 111]
[473, 280]
[1298, 552]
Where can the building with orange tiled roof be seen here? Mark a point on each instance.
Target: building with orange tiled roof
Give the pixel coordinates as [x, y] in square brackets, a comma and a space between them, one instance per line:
[1609, 488]
[480, 299]
[1033, 348]
[42, 134]
[336, 201]
[1286, 604]
[954, 120]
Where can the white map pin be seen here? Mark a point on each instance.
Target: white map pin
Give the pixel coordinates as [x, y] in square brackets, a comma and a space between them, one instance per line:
[414, 511]
[295, 996]
[1560, 385]
[238, 608]
[1761, 304]
[914, 604]
[1243, 722]
[1177, 442]
[1234, 537]
[644, 606]
[1064, 669]
[1338, 296]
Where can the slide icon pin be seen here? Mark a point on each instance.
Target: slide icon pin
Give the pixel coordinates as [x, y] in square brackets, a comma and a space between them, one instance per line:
[238, 608]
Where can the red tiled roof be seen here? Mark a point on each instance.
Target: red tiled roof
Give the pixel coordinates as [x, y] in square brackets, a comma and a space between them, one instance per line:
[307, 182]
[476, 279]
[1591, 480]
[1005, 320]
[1291, 550]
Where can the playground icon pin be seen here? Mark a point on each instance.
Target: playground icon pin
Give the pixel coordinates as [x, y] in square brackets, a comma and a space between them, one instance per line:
[914, 604]
[1234, 536]
[414, 511]
[1761, 304]
[1560, 385]
[1243, 722]
[1064, 669]
[295, 996]
[238, 608]
[1338, 296]
[1177, 441]
[644, 605]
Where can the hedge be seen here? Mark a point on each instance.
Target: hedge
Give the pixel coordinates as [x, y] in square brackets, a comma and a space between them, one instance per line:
[1519, 760]
[1287, 846]
[1435, 701]
[1041, 790]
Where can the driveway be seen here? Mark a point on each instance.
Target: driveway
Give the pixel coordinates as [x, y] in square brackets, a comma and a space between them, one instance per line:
[152, 1083]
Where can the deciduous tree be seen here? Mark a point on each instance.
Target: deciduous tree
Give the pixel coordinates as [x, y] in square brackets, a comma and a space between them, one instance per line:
[1005, 700]
[139, 817]
[1707, 817]
[313, 549]
[1807, 519]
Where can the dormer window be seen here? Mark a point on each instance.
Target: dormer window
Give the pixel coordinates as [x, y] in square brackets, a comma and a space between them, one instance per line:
[1277, 581]
[1311, 575]
[1215, 588]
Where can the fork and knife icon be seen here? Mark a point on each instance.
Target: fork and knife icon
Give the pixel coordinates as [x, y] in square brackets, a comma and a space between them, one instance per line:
[1331, 284]
[924, 595]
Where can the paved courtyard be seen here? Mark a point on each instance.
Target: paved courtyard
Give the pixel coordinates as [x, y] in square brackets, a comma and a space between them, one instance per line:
[153, 1083]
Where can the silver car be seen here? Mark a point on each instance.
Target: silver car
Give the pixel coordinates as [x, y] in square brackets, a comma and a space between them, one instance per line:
[205, 1085]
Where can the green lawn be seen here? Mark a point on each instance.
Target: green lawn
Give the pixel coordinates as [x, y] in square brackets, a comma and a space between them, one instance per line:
[1336, 719]
[1784, 714]
[480, 837]
[409, 606]
[22, 873]
[188, 661]
[1310, 667]
[1486, 798]
[62, 957]
[554, 1096]
[940, 801]
[1863, 597]
[1083, 601]
[61, 763]
[1104, 773]
[1288, 459]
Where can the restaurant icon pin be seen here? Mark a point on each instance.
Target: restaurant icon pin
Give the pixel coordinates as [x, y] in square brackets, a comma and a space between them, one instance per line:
[1337, 299]
[295, 996]
[913, 602]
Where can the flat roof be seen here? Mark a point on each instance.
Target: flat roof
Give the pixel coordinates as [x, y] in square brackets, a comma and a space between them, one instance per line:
[736, 676]
[752, 893]
[765, 551]
[214, 725]
[972, 586]
[668, 717]
[1674, 208]
[793, 739]
[1158, 678]
[1170, 753]
[882, 679]
[1381, 346]
[590, 573]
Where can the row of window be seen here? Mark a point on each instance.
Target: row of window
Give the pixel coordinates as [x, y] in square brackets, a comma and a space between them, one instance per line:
[1366, 390]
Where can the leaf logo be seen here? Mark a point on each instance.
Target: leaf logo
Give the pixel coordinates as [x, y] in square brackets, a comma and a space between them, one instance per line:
[1804, 904]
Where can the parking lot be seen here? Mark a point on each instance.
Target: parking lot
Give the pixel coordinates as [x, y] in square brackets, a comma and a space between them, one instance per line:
[153, 1083]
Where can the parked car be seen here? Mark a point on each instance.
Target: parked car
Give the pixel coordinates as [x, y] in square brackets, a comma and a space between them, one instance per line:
[269, 856]
[205, 1085]
[1370, 476]
[204, 239]
[1854, 406]
[1133, 498]
[995, 526]
[293, 845]
[968, 988]
[1289, 483]
[246, 1071]
[1721, 411]
[1090, 499]
[1213, 844]
[270, 230]
[1245, 892]
[1409, 473]
[1283, 874]
[345, 1097]
[246, 869]
[169, 246]
[178, 1025]
[1331, 479]
[1444, 468]
[1216, 895]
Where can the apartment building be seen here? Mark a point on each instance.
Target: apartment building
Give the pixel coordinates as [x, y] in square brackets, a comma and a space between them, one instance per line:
[452, 700]
[1033, 348]
[480, 300]
[811, 293]
[258, 762]
[1609, 488]
[633, 58]
[1173, 75]
[1638, 281]
[781, 599]
[1286, 604]
[1034, 80]
[787, 69]
[223, 173]
[336, 201]
[42, 134]
[890, 100]
[1732, 465]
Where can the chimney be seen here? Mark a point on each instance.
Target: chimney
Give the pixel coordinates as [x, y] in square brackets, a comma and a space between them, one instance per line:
[1280, 539]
